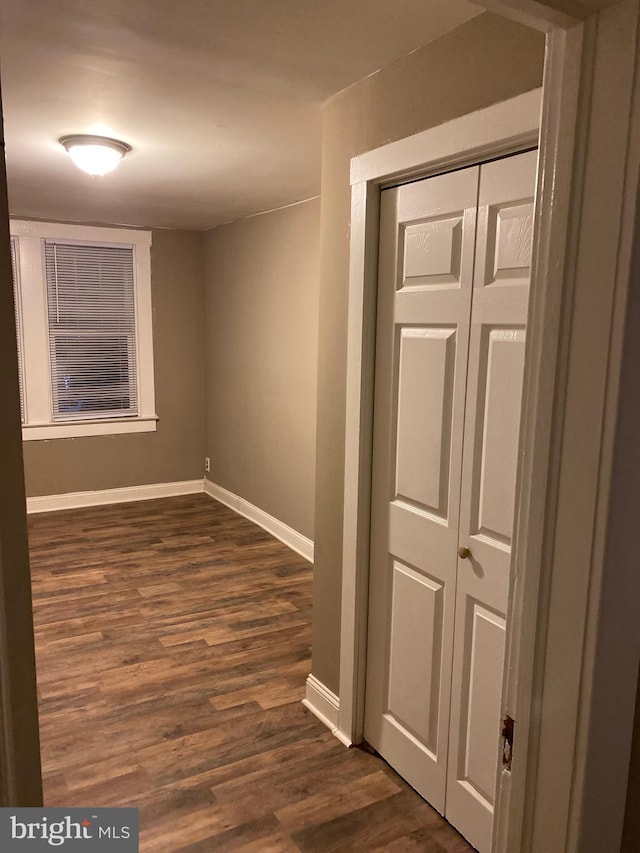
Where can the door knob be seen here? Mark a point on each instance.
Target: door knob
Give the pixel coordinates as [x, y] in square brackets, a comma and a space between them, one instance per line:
[463, 552]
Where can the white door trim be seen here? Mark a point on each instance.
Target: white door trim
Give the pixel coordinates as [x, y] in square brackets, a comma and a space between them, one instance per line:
[567, 759]
[500, 129]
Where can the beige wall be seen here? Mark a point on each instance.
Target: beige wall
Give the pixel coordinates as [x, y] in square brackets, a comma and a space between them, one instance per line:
[261, 311]
[176, 450]
[484, 61]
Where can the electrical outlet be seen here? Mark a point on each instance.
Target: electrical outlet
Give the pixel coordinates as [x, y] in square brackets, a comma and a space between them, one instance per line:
[207, 464]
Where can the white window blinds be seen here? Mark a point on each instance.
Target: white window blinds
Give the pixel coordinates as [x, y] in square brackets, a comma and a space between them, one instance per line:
[92, 330]
[16, 302]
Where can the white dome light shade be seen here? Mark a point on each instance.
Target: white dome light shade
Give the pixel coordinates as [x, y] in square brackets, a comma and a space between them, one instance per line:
[96, 155]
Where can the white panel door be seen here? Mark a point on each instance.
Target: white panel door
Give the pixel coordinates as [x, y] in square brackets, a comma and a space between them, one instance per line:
[452, 305]
[490, 450]
[424, 307]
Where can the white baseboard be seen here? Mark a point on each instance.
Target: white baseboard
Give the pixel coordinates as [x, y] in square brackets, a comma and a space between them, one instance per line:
[324, 704]
[344, 740]
[73, 500]
[294, 540]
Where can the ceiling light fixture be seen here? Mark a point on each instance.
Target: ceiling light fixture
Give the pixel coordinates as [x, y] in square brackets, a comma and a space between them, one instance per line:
[96, 155]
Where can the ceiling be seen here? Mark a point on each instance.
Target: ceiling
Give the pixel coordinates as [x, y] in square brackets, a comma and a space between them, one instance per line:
[220, 99]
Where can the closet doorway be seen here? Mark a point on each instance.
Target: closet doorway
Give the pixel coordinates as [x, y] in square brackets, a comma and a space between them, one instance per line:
[453, 287]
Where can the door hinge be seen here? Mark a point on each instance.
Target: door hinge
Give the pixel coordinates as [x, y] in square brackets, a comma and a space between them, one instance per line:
[507, 742]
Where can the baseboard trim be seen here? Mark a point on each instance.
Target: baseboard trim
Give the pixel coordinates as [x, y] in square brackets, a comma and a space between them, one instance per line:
[346, 741]
[294, 540]
[322, 703]
[74, 500]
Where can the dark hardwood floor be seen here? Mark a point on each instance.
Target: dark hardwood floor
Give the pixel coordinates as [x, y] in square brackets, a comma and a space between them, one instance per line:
[173, 643]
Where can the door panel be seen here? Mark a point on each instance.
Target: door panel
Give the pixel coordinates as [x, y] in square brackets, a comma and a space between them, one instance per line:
[452, 307]
[482, 682]
[424, 304]
[491, 431]
[414, 671]
[423, 438]
[432, 252]
[496, 433]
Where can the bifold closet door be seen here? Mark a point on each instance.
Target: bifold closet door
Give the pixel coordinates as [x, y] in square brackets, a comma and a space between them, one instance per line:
[452, 304]
[427, 237]
[490, 450]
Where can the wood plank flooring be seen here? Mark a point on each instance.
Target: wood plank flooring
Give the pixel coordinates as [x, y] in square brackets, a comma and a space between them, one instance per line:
[173, 644]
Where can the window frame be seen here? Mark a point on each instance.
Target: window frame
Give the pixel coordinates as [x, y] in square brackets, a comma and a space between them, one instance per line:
[17, 301]
[30, 239]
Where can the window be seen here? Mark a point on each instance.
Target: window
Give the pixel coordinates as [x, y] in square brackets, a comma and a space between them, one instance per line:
[92, 330]
[84, 325]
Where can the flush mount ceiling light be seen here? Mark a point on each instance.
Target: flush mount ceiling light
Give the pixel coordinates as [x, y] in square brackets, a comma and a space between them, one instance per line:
[96, 155]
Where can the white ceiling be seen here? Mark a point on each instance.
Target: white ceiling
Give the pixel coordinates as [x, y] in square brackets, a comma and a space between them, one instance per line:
[220, 99]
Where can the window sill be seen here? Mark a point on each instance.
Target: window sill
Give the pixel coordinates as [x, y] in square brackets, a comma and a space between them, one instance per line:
[79, 429]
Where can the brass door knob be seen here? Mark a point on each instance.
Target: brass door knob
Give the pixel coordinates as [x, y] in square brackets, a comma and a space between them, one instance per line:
[463, 552]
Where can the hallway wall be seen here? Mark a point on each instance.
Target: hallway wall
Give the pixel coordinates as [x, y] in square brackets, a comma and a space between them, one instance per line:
[261, 296]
